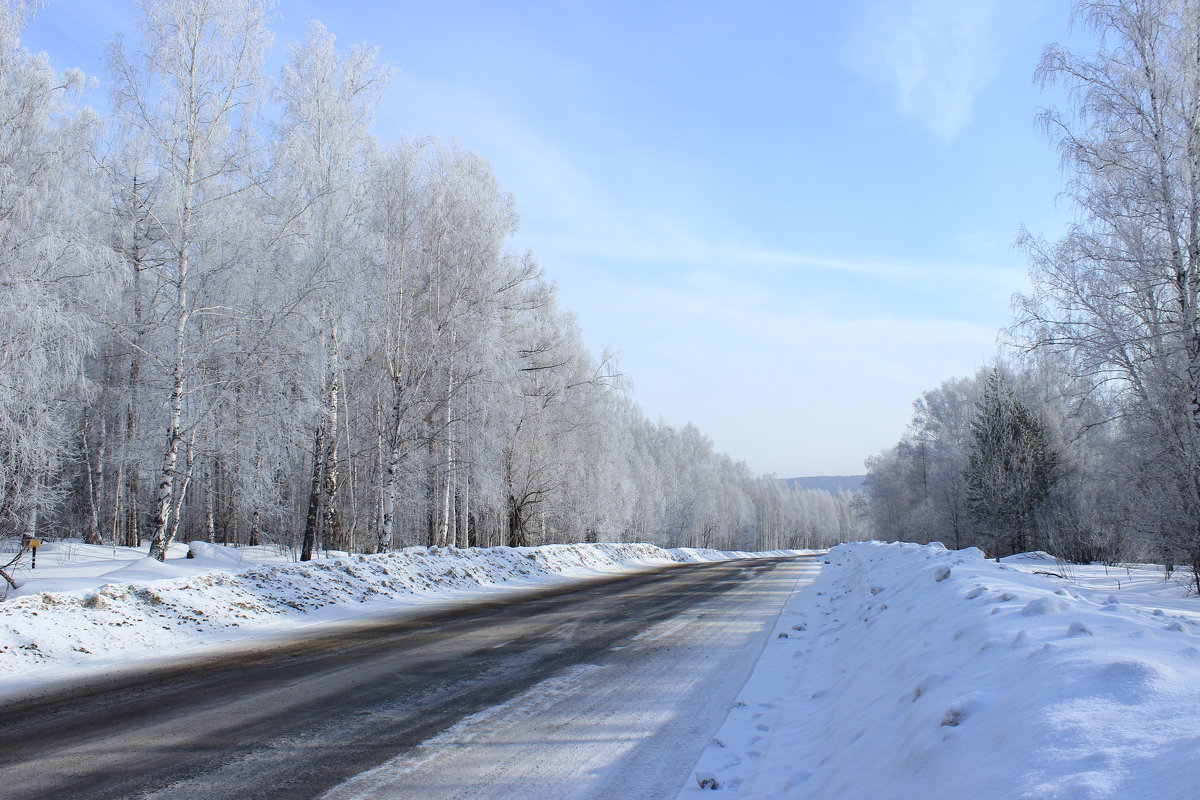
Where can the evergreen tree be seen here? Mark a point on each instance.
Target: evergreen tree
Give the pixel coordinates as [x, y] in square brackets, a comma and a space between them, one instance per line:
[1010, 469]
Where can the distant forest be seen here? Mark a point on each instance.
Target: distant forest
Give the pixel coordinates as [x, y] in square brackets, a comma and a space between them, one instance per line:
[828, 483]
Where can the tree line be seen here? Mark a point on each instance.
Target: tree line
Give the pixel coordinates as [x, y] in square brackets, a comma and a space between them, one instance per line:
[1085, 440]
[232, 313]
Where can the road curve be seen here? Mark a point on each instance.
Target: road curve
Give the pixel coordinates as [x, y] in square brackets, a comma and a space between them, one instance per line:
[301, 717]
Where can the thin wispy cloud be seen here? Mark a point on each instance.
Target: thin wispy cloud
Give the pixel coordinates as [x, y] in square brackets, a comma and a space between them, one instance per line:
[580, 219]
[937, 55]
[717, 254]
[631, 244]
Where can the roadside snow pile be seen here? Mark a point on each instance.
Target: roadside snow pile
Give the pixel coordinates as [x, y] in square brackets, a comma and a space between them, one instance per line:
[83, 606]
[913, 671]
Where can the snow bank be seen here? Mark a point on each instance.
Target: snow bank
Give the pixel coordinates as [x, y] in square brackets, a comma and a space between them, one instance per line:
[913, 671]
[83, 606]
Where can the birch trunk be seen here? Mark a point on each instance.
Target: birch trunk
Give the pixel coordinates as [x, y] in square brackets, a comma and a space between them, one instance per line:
[160, 538]
[449, 534]
[210, 526]
[390, 481]
[95, 479]
[333, 532]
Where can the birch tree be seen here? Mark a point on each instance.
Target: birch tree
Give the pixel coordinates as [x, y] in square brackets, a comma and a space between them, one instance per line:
[47, 261]
[555, 375]
[1119, 293]
[191, 91]
[324, 151]
[132, 329]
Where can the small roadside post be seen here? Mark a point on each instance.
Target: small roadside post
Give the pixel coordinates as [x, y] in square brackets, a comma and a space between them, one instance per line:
[33, 545]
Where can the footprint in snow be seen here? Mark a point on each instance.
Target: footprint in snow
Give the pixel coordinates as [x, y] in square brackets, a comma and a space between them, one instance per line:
[952, 718]
[1043, 606]
[1079, 629]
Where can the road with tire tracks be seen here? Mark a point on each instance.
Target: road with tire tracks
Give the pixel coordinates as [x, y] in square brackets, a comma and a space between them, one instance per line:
[601, 688]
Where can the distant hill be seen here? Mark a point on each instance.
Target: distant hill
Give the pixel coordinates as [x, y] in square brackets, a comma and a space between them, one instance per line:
[830, 483]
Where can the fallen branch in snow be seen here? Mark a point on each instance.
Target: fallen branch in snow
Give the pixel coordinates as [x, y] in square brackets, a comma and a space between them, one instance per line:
[4, 571]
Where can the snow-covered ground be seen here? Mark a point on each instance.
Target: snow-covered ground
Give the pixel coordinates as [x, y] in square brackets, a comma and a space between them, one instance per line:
[93, 608]
[909, 671]
[902, 671]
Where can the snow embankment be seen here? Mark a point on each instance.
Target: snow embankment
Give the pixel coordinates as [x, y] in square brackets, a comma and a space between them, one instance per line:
[913, 671]
[83, 606]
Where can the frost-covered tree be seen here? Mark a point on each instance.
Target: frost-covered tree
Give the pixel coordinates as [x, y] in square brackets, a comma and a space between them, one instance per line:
[48, 259]
[1120, 293]
[916, 491]
[921, 489]
[548, 419]
[190, 89]
[320, 202]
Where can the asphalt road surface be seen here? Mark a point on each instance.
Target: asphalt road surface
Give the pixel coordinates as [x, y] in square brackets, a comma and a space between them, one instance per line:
[608, 688]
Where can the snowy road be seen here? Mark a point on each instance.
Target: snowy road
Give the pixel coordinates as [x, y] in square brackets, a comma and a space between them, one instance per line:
[607, 690]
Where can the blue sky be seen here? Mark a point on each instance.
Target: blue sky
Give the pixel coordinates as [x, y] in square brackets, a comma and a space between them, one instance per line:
[790, 218]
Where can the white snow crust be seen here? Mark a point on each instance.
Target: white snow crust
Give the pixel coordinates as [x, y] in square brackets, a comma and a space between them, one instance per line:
[909, 671]
[92, 608]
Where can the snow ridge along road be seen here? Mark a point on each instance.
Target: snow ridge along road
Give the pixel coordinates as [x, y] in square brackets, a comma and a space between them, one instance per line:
[912, 671]
[89, 608]
[610, 688]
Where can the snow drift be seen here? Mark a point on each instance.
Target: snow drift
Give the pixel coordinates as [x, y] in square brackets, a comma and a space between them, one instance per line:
[913, 671]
